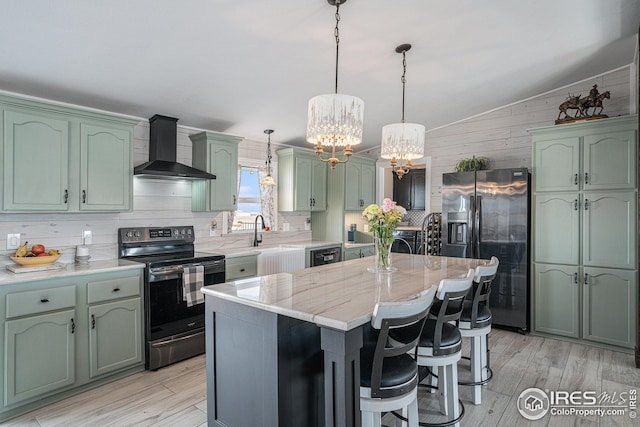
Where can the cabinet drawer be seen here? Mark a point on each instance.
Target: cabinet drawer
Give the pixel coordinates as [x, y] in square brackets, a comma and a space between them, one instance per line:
[105, 290]
[237, 268]
[40, 301]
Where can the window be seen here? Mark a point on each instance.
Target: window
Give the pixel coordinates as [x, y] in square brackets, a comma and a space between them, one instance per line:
[252, 199]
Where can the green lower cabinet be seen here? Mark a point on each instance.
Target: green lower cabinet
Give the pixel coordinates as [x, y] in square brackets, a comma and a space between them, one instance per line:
[115, 339]
[557, 300]
[609, 311]
[39, 354]
[359, 252]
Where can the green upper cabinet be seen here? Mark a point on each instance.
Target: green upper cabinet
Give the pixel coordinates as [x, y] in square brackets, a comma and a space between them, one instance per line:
[596, 155]
[64, 159]
[302, 181]
[557, 164]
[105, 168]
[360, 183]
[36, 162]
[216, 153]
[610, 161]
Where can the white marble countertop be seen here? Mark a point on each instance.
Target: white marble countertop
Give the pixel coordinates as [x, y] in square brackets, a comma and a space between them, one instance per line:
[341, 295]
[409, 228]
[357, 245]
[8, 277]
[238, 252]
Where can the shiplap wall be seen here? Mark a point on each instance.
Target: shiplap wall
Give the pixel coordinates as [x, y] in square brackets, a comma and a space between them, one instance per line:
[156, 202]
[501, 135]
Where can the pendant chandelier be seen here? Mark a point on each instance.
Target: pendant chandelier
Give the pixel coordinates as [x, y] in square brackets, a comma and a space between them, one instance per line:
[335, 120]
[402, 142]
[268, 180]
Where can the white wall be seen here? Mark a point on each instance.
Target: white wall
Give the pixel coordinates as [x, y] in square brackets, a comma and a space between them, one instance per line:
[501, 135]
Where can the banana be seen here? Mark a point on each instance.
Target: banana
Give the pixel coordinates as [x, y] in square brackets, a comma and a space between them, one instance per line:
[53, 252]
[22, 250]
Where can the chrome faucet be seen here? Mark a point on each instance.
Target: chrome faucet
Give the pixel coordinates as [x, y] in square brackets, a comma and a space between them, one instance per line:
[257, 241]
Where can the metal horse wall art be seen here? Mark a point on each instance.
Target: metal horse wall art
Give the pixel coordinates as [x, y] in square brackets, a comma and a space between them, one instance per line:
[582, 106]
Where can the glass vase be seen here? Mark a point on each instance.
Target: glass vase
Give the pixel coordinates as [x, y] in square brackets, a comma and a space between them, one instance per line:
[382, 256]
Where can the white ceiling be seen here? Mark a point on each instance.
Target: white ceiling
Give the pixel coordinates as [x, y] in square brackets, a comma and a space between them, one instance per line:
[241, 66]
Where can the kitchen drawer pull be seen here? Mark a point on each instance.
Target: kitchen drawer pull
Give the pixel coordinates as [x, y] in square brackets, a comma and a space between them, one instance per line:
[116, 289]
[242, 270]
[44, 300]
[93, 321]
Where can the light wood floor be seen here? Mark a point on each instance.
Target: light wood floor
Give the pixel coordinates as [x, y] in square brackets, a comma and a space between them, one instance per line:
[175, 395]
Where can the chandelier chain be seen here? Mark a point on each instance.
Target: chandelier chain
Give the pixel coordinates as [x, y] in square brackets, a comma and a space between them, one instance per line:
[403, 79]
[336, 33]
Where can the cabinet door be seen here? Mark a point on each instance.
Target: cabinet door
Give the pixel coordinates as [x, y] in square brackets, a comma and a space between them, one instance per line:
[352, 253]
[556, 165]
[557, 228]
[105, 168]
[115, 339]
[556, 299]
[609, 230]
[610, 306]
[367, 251]
[368, 185]
[353, 179]
[224, 165]
[39, 355]
[319, 186]
[610, 161]
[417, 189]
[36, 162]
[402, 191]
[302, 183]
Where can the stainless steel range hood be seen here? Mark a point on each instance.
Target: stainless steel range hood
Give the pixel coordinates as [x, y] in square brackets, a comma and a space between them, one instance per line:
[162, 153]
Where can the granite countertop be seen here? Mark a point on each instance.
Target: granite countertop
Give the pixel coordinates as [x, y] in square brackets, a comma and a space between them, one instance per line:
[8, 277]
[341, 295]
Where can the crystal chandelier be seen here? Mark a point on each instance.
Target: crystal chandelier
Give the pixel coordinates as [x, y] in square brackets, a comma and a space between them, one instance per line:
[268, 180]
[402, 142]
[335, 120]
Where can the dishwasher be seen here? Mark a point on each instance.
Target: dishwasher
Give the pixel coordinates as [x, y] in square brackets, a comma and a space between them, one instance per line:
[326, 256]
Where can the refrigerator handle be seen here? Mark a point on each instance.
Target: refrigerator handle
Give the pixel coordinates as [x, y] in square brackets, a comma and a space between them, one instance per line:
[478, 226]
[471, 235]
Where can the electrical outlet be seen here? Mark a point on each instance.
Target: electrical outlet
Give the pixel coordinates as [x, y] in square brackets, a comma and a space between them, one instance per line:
[86, 237]
[13, 241]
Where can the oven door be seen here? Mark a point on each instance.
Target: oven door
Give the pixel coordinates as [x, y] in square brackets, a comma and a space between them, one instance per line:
[166, 310]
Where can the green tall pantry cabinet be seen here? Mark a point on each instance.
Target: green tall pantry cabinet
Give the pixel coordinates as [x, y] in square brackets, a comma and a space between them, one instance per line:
[585, 273]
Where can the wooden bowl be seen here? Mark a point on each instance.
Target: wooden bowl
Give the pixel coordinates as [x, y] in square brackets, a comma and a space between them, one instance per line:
[36, 260]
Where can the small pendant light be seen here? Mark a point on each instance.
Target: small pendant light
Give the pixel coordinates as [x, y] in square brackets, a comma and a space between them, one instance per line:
[268, 180]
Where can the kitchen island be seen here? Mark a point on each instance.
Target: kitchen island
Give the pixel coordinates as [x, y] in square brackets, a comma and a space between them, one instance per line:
[284, 349]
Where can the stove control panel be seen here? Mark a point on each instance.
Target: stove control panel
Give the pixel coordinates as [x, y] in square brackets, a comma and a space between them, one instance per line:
[156, 234]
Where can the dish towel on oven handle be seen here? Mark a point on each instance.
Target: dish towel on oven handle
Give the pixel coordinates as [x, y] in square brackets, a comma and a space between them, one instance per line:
[192, 281]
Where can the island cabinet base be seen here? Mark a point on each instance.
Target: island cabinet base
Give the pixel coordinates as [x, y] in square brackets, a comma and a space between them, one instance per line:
[263, 369]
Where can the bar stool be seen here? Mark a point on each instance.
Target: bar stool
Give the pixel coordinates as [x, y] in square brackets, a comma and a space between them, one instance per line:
[388, 374]
[440, 344]
[475, 323]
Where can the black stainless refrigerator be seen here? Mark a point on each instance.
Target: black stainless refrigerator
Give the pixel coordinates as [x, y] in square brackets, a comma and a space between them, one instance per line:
[485, 214]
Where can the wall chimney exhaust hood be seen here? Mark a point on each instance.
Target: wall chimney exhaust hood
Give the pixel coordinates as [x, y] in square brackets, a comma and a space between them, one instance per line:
[163, 145]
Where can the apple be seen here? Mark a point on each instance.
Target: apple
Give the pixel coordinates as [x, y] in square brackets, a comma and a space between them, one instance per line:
[37, 249]
[43, 254]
